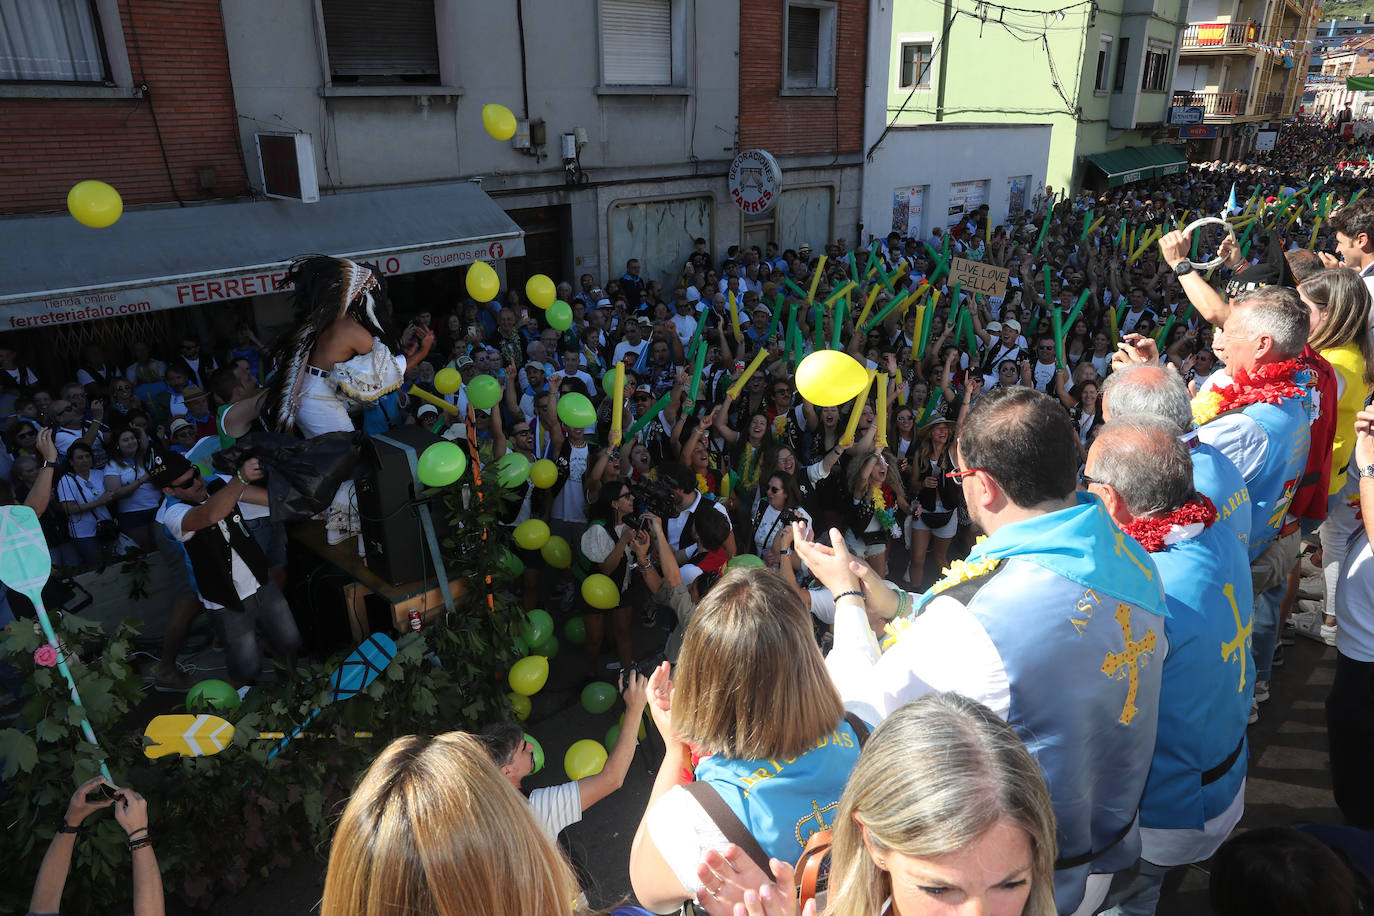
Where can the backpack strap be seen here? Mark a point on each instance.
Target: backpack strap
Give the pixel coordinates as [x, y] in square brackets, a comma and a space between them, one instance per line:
[728, 822]
[813, 868]
[860, 729]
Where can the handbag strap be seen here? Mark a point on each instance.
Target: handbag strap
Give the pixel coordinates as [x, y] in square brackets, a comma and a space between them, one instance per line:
[811, 866]
[728, 822]
[860, 728]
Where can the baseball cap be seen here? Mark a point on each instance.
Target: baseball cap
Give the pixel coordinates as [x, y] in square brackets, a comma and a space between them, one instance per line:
[181, 423]
[426, 408]
[463, 362]
[644, 389]
[692, 294]
[1013, 324]
[994, 326]
[645, 320]
[165, 467]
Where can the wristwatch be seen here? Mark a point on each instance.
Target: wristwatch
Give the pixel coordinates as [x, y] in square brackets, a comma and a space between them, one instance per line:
[1366, 471]
[67, 828]
[1183, 268]
[47, 464]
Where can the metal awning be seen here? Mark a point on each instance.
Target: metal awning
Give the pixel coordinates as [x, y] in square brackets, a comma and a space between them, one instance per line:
[1137, 163]
[58, 271]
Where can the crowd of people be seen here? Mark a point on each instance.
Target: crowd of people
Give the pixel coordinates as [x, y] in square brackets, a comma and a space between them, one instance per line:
[1166, 463]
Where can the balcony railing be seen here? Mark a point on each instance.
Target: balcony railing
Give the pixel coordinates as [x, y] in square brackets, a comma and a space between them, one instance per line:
[1217, 104]
[1207, 36]
[1271, 104]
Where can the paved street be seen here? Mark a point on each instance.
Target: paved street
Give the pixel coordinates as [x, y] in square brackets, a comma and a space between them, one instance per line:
[1289, 781]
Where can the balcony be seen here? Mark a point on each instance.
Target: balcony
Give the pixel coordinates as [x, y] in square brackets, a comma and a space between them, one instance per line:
[1222, 106]
[1270, 104]
[1219, 36]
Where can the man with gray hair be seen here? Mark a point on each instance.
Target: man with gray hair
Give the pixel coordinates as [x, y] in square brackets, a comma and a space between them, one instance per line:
[1260, 421]
[1144, 392]
[1195, 791]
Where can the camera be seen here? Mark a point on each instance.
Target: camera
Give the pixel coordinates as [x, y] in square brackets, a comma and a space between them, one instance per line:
[788, 516]
[655, 497]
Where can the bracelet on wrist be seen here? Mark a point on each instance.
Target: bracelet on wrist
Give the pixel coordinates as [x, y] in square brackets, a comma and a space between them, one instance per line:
[239, 474]
[853, 592]
[68, 828]
[136, 845]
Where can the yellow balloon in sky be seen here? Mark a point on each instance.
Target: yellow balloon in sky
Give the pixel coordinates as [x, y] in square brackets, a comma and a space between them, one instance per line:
[540, 290]
[94, 203]
[828, 378]
[498, 121]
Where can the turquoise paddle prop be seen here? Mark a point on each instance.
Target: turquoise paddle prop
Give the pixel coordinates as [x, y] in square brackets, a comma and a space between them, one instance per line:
[25, 566]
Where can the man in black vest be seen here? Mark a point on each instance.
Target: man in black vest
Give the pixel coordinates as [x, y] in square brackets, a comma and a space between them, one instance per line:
[228, 566]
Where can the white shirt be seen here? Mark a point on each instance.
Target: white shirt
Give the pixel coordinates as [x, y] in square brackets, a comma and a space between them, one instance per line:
[769, 528]
[72, 488]
[1355, 602]
[686, 326]
[626, 347]
[679, 521]
[146, 496]
[571, 503]
[556, 807]
[173, 513]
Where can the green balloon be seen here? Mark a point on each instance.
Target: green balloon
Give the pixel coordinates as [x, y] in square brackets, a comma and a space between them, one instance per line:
[576, 410]
[512, 470]
[575, 631]
[522, 648]
[538, 751]
[597, 697]
[484, 392]
[212, 694]
[441, 464]
[608, 383]
[537, 628]
[612, 736]
[560, 316]
[744, 561]
[509, 564]
[548, 648]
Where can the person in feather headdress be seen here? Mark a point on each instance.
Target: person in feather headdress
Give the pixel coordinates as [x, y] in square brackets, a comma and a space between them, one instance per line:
[337, 357]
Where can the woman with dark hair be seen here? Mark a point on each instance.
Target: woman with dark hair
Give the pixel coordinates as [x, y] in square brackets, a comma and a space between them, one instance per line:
[746, 449]
[604, 549]
[81, 490]
[126, 480]
[902, 435]
[1282, 871]
[780, 504]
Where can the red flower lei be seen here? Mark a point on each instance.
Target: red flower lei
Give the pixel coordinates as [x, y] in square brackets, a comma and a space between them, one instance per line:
[1150, 530]
[1267, 384]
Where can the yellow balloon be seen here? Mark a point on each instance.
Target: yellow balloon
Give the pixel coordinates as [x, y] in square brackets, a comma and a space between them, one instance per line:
[520, 705]
[532, 533]
[528, 676]
[556, 553]
[447, 381]
[828, 378]
[543, 473]
[585, 758]
[498, 121]
[540, 290]
[482, 282]
[600, 592]
[94, 204]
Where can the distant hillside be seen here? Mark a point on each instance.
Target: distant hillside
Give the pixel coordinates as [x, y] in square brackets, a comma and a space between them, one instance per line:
[1340, 9]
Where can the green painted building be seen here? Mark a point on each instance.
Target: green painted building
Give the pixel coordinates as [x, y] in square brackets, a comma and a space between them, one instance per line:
[1099, 72]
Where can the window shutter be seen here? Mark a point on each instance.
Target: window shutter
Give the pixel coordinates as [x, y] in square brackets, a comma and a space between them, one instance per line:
[398, 43]
[637, 42]
[52, 41]
[803, 45]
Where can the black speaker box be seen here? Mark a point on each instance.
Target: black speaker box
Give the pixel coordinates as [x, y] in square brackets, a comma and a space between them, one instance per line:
[393, 537]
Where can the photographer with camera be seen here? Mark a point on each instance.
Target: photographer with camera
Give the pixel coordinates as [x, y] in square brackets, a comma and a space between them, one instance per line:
[131, 811]
[604, 548]
[230, 569]
[778, 508]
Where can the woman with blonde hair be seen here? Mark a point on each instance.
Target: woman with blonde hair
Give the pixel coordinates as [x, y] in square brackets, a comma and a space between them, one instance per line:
[434, 828]
[753, 707]
[1338, 305]
[946, 810]
[871, 513]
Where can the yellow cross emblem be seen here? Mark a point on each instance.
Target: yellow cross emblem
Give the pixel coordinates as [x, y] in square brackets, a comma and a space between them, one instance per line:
[1237, 645]
[1123, 551]
[1115, 664]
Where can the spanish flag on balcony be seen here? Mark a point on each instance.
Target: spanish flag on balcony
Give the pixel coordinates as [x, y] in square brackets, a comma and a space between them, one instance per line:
[1211, 33]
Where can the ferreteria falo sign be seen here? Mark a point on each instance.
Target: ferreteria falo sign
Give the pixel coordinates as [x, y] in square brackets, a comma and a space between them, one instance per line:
[755, 181]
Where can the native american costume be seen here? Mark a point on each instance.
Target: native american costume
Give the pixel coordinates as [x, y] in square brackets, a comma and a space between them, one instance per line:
[315, 400]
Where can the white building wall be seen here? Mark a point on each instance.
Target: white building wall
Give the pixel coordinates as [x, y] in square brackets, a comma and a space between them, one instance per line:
[942, 159]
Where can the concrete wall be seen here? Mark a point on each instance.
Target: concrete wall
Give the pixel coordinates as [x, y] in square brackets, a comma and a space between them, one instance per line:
[435, 133]
[936, 157]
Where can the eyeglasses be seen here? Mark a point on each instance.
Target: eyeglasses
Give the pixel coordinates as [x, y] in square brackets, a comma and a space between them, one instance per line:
[1045, 347]
[958, 474]
[189, 481]
[523, 432]
[1087, 481]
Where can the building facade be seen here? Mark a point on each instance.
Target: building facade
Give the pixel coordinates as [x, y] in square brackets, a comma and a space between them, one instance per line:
[1242, 64]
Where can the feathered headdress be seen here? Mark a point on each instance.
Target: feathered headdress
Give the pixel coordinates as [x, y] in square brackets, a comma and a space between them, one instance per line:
[326, 289]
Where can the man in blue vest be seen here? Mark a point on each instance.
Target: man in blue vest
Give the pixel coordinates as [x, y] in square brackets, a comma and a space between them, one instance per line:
[1154, 392]
[1195, 793]
[1055, 621]
[1260, 421]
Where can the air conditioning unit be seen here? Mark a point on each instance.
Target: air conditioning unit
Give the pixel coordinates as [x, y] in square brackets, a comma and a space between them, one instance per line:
[287, 162]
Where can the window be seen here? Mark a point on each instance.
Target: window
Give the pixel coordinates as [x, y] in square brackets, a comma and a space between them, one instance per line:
[57, 41]
[809, 46]
[637, 42]
[365, 48]
[916, 65]
[1104, 63]
[1119, 81]
[1156, 68]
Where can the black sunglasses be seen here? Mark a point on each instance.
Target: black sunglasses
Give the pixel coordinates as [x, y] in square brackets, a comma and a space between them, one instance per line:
[195, 475]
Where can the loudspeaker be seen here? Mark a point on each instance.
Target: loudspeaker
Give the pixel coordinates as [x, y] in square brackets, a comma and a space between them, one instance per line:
[393, 538]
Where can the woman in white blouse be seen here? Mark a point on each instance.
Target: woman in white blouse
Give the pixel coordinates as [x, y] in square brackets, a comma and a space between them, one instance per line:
[779, 505]
[126, 480]
[81, 490]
